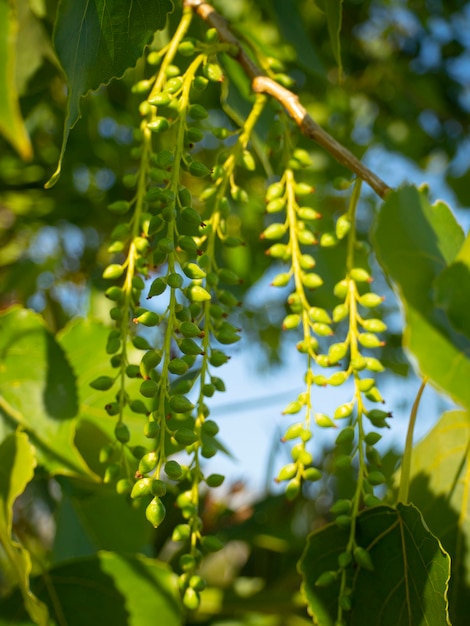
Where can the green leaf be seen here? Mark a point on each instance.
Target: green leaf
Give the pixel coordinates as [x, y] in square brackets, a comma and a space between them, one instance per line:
[11, 122]
[415, 243]
[453, 290]
[16, 471]
[106, 589]
[38, 392]
[440, 483]
[333, 11]
[97, 41]
[408, 584]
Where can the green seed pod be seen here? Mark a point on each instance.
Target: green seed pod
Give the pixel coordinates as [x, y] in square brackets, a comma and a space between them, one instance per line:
[198, 112]
[102, 383]
[187, 48]
[360, 275]
[293, 489]
[239, 195]
[228, 277]
[148, 462]
[291, 321]
[209, 543]
[137, 406]
[158, 125]
[215, 480]
[174, 280]
[343, 521]
[341, 289]
[152, 430]
[292, 408]
[344, 559]
[208, 450]
[303, 189]
[287, 472]
[370, 300]
[149, 361]
[122, 432]
[173, 470]
[320, 380]
[374, 395]
[148, 388]
[165, 245]
[208, 390]
[281, 280]
[181, 532]
[374, 326]
[326, 579]
[113, 271]
[372, 438]
[307, 213]
[343, 411]
[113, 346]
[174, 84]
[376, 478]
[106, 453]
[141, 488]
[210, 428]
[336, 352]
[312, 474]
[191, 599]
[111, 473]
[198, 169]
[317, 314]
[147, 318]
[200, 83]
[141, 343]
[185, 436]
[189, 346]
[112, 409]
[124, 486]
[218, 358]
[115, 314]
[345, 602]
[160, 99]
[293, 432]
[276, 205]
[324, 421]
[306, 237]
[363, 558]
[192, 270]
[312, 281]
[374, 365]
[247, 161]
[342, 227]
[197, 583]
[322, 330]
[295, 302]
[158, 488]
[196, 293]
[155, 512]
[340, 312]
[345, 436]
[369, 340]
[366, 384]
[341, 507]
[181, 404]
[274, 231]
[213, 72]
[343, 462]
[275, 190]
[178, 366]
[116, 294]
[338, 378]
[120, 207]
[358, 363]
[191, 216]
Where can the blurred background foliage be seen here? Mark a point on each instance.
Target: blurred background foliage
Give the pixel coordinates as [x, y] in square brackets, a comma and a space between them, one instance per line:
[405, 91]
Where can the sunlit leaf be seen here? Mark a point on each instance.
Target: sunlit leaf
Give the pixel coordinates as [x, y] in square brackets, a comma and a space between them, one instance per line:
[415, 243]
[333, 10]
[16, 471]
[97, 41]
[106, 589]
[408, 584]
[38, 391]
[440, 485]
[11, 122]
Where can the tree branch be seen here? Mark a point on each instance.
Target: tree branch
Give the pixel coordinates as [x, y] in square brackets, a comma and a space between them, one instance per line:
[263, 84]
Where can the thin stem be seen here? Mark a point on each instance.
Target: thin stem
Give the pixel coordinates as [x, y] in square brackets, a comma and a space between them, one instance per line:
[263, 84]
[406, 462]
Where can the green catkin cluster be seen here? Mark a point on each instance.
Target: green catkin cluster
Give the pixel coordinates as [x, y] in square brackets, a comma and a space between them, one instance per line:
[292, 241]
[166, 252]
